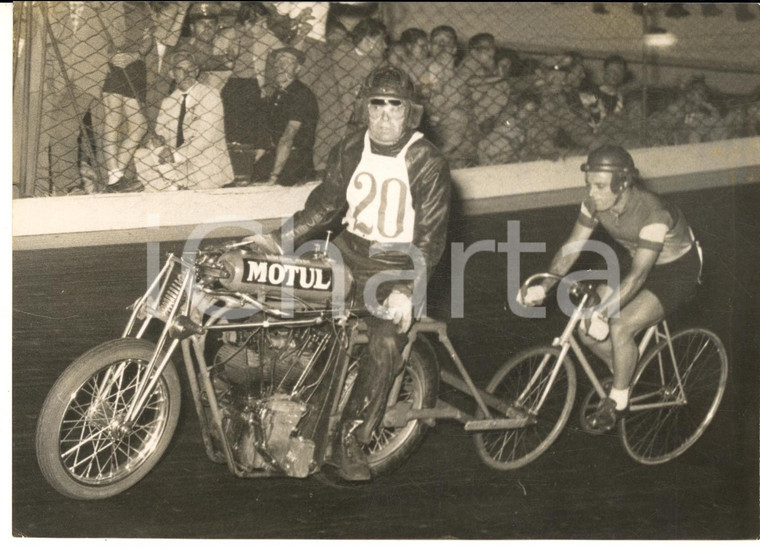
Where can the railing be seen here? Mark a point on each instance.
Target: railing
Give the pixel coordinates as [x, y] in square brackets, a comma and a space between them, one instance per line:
[514, 82]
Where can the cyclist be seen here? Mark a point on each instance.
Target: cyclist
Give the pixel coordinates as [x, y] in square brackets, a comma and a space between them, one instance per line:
[665, 265]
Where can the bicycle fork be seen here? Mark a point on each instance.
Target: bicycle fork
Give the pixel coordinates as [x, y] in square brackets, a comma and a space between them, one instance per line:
[565, 341]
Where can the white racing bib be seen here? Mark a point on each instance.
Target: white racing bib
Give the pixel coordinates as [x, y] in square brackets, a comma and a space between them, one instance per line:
[379, 197]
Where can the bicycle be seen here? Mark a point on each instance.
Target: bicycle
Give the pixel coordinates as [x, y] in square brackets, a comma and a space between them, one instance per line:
[676, 389]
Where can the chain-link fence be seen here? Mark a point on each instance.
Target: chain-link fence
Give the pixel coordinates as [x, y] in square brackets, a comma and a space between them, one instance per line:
[150, 96]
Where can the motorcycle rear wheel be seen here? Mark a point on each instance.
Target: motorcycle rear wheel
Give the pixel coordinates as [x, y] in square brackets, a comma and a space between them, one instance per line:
[84, 449]
[391, 446]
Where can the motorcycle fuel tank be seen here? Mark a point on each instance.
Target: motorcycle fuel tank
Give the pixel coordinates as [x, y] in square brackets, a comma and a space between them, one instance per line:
[312, 279]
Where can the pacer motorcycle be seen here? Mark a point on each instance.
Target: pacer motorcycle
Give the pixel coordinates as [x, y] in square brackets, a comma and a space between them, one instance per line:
[270, 358]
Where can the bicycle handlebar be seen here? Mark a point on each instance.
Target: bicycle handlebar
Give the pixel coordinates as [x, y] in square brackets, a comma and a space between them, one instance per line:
[578, 289]
[527, 283]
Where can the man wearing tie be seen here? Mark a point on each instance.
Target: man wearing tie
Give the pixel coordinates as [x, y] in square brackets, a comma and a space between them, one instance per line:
[188, 149]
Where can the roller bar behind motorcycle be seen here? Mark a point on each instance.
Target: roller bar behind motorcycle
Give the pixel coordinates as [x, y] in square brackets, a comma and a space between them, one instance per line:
[270, 359]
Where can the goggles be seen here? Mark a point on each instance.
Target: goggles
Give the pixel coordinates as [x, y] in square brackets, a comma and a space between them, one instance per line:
[394, 107]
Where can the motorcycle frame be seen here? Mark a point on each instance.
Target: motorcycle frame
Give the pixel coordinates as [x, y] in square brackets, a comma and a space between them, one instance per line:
[191, 337]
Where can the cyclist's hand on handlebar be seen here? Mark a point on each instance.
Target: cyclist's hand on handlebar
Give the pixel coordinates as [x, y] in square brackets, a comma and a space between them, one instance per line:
[399, 306]
[597, 326]
[531, 296]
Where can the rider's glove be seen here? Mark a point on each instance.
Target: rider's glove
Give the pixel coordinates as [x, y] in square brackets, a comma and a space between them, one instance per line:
[597, 326]
[531, 296]
[399, 307]
[265, 242]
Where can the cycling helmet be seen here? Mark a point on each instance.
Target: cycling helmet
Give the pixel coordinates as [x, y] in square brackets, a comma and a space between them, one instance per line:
[391, 82]
[612, 159]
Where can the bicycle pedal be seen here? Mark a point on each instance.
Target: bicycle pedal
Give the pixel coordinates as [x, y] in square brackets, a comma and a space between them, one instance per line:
[495, 424]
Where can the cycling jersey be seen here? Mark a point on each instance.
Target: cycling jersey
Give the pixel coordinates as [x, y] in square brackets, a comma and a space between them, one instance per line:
[646, 221]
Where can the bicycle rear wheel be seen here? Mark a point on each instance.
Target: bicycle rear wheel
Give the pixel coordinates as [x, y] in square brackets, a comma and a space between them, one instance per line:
[674, 397]
[510, 449]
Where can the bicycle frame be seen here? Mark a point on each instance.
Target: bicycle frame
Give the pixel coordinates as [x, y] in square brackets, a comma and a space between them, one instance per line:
[567, 341]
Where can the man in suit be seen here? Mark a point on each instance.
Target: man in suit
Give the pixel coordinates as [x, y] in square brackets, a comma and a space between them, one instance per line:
[188, 149]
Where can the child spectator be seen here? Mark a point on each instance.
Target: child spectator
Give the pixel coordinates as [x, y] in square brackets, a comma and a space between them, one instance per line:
[124, 94]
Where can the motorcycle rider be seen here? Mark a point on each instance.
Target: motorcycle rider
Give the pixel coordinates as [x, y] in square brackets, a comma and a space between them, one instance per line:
[391, 187]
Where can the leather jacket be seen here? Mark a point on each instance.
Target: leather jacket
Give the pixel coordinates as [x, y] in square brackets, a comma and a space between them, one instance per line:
[429, 182]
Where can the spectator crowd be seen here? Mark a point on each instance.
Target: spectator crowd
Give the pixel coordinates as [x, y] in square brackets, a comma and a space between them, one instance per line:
[191, 97]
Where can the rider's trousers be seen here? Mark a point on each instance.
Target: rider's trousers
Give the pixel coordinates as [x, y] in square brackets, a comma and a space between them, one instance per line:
[377, 370]
[382, 362]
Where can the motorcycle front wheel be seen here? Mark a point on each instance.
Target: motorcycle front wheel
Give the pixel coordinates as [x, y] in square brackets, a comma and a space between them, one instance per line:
[85, 448]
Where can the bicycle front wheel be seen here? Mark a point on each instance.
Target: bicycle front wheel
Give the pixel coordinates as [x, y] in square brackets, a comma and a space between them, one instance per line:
[674, 396]
[524, 384]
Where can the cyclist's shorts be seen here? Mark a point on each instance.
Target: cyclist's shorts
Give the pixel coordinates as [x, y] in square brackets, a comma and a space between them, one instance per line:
[675, 283]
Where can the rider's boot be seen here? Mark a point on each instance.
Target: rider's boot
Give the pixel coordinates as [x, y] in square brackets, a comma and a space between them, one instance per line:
[348, 455]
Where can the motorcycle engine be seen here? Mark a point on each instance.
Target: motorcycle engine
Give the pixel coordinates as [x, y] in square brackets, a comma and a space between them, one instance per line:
[263, 379]
[267, 360]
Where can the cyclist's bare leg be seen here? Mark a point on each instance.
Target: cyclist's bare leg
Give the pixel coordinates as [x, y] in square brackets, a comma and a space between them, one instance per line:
[643, 311]
[601, 349]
